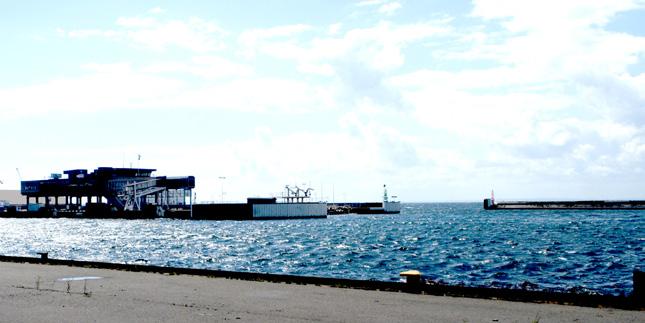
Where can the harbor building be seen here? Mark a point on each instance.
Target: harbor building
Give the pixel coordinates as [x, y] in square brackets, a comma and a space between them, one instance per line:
[108, 189]
[136, 193]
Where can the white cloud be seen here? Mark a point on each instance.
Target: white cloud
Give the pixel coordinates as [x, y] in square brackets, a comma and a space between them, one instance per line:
[136, 22]
[104, 87]
[334, 29]
[616, 96]
[120, 86]
[357, 59]
[558, 39]
[366, 3]
[259, 94]
[554, 92]
[156, 10]
[209, 67]
[280, 40]
[389, 8]
[90, 33]
[537, 93]
[192, 34]
[383, 7]
[255, 35]
[380, 47]
[551, 15]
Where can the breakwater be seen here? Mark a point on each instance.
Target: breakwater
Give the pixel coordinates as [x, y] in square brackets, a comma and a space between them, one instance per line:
[451, 243]
[489, 204]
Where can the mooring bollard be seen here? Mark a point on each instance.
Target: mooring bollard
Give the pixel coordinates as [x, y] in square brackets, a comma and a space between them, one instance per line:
[412, 277]
[43, 255]
[639, 286]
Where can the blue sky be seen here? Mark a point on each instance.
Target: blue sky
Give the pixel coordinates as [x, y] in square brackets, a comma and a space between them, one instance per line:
[443, 101]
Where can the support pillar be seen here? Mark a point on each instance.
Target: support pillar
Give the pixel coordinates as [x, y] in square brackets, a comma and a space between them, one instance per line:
[191, 203]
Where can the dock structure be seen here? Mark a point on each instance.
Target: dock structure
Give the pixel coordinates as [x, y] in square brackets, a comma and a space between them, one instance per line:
[134, 193]
[491, 204]
[258, 208]
[364, 208]
[388, 206]
[108, 189]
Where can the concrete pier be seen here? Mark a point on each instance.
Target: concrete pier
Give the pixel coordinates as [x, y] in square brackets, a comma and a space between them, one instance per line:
[490, 204]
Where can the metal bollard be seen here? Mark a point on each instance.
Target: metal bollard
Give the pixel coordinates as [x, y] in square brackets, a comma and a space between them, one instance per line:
[43, 255]
[639, 286]
[412, 277]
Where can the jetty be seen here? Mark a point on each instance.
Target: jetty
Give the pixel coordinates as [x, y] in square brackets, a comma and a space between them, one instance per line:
[491, 204]
[388, 206]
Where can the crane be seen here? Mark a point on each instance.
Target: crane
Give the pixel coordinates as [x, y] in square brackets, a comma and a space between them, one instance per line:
[294, 194]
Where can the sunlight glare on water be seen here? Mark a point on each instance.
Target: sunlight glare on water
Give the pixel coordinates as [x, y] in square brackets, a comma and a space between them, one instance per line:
[456, 243]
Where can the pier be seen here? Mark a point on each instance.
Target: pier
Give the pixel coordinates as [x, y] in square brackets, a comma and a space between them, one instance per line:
[134, 193]
[388, 206]
[490, 204]
[107, 191]
[364, 208]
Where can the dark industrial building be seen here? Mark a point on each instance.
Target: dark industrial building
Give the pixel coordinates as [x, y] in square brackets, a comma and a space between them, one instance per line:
[133, 193]
[108, 189]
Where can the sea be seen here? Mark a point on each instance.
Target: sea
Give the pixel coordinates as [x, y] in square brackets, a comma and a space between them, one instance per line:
[453, 243]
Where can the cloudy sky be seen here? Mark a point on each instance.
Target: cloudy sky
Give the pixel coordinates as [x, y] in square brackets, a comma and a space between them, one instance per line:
[441, 100]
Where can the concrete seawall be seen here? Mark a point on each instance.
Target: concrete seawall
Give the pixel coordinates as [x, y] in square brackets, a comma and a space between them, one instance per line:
[50, 293]
[623, 302]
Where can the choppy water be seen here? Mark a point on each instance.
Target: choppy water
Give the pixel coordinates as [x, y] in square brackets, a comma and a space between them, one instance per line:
[593, 251]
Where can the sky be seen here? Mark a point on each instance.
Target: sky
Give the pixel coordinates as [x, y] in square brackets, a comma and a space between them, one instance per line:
[440, 100]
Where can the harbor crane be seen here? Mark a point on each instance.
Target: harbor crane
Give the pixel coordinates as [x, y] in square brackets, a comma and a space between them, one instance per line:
[294, 195]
